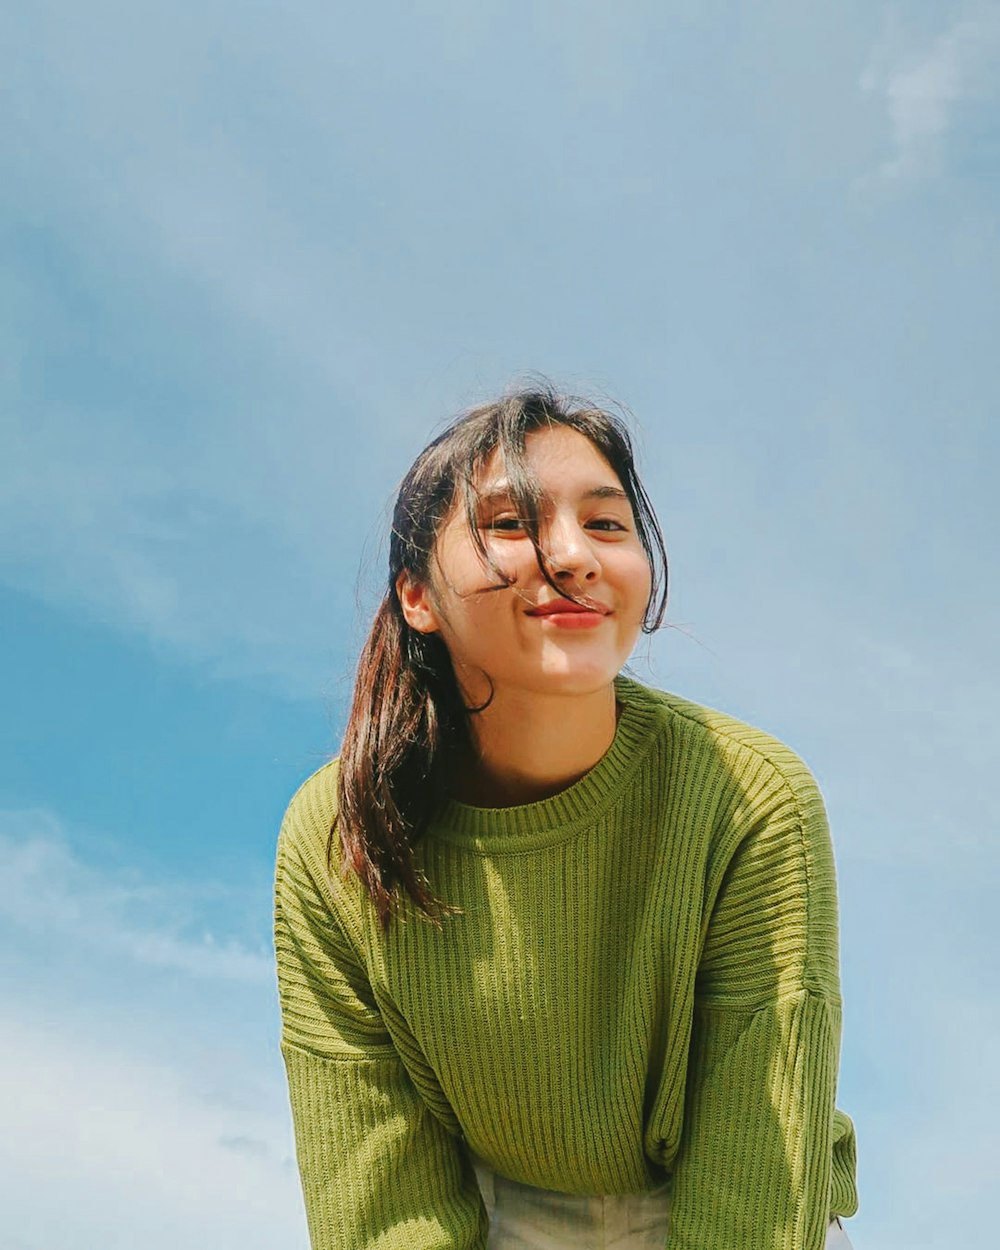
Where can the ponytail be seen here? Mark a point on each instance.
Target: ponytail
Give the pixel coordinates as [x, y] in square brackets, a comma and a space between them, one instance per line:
[406, 719]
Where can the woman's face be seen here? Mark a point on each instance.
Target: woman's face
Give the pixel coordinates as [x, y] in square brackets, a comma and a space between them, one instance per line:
[588, 533]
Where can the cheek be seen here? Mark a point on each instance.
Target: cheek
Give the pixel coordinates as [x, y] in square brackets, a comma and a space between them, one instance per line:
[638, 576]
[460, 570]
[471, 623]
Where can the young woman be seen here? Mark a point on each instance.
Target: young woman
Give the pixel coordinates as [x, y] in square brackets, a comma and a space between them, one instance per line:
[557, 953]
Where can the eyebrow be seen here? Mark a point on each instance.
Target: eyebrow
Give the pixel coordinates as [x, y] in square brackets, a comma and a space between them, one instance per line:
[500, 493]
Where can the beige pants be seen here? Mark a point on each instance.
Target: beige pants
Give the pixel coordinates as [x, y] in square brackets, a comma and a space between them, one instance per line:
[525, 1218]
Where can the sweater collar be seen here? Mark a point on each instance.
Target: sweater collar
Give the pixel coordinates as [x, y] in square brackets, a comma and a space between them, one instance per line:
[531, 825]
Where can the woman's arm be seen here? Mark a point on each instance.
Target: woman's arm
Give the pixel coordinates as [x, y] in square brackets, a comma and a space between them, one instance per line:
[377, 1168]
[765, 1158]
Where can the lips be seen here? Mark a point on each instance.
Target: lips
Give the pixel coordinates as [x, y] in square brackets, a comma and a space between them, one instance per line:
[566, 606]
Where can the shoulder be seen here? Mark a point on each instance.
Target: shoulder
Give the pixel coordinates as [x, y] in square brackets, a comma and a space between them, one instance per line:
[316, 797]
[770, 905]
[713, 747]
[309, 819]
[307, 870]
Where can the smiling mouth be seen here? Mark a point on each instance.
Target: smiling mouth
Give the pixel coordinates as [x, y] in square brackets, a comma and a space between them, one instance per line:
[566, 607]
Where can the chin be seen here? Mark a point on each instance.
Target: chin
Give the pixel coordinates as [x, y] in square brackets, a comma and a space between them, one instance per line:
[577, 680]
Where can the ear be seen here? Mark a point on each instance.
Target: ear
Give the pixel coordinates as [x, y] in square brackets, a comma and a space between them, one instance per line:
[415, 600]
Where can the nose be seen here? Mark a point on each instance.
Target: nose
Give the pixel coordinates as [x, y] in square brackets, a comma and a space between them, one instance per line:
[569, 552]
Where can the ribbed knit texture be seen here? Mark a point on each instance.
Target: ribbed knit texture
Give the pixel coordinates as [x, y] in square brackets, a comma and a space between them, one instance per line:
[643, 981]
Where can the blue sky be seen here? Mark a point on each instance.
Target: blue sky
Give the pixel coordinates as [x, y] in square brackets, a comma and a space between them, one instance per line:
[253, 257]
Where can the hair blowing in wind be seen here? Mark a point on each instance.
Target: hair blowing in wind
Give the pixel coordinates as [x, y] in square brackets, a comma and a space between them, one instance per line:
[408, 720]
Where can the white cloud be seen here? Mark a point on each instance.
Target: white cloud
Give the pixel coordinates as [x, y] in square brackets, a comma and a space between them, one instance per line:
[929, 1050]
[223, 550]
[922, 90]
[52, 896]
[142, 1095]
[214, 512]
[103, 1147]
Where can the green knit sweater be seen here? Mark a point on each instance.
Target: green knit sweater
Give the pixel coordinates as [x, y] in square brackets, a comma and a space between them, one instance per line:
[643, 982]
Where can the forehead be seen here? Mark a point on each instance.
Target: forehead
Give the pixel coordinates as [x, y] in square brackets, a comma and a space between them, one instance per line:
[560, 458]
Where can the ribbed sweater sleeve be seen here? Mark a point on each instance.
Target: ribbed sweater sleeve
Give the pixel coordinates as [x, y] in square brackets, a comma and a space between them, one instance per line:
[762, 1140]
[378, 1171]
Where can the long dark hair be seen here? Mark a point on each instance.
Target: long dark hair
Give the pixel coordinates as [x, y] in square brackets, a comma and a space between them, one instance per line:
[408, 720]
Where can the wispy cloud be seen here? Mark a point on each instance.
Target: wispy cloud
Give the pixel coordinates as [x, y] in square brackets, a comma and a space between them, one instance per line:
[218, 553]
[183, 455]
[139, 1074]
[134, 1151]
[931, 1076]
[922, 90]
[51, 894]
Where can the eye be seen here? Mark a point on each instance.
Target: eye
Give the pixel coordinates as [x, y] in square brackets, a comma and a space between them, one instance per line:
[608, 524]
[509, 524]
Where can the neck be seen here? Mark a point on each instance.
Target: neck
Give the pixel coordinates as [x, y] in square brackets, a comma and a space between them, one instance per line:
[528, 747]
